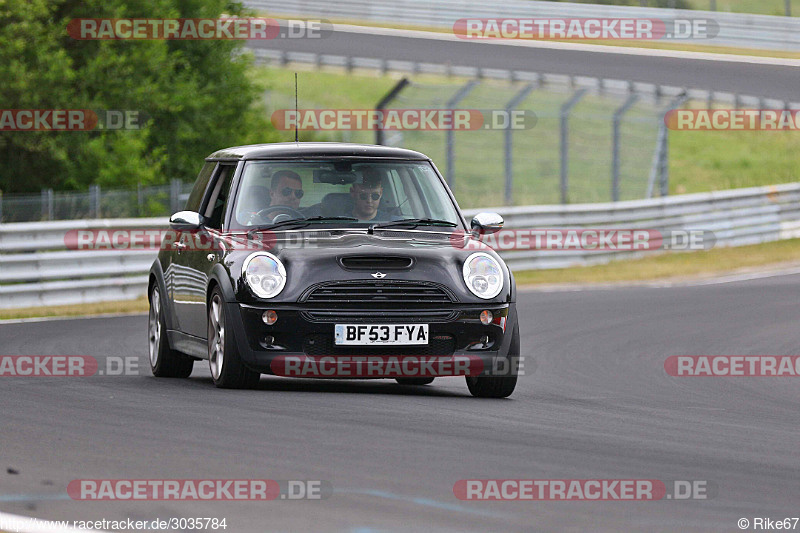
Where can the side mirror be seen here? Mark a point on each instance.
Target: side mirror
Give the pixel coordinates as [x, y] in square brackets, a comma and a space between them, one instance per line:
[186, 221]
[484, 223]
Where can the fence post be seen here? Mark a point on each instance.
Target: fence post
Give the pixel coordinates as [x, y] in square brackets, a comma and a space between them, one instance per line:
[43, 203]
[386, 100]
[94, 200]
[175, 186]
[139, 199]
[460, 95]
[513, 103]
[1, 206]
[565, 110]
[615, 145]
[788, 4]
[663, 163]
[47, 204]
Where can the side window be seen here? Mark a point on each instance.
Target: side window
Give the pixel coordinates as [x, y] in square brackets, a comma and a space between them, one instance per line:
[215, 209]
[199, 189]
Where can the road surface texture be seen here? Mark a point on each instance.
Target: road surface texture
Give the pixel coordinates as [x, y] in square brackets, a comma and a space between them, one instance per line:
[595, 402]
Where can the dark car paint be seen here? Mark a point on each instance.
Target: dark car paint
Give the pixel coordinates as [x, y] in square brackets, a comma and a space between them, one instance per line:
[191, 275]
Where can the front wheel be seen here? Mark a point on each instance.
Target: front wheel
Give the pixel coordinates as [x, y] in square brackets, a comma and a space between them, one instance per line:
[227, 369]
[498, 386]
[164, 361]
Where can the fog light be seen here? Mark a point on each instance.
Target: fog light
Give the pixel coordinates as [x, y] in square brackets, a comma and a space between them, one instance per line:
[269, 317]
[486, 317]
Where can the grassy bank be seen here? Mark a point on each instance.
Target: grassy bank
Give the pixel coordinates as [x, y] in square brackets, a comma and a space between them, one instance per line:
[100, 308]
[671, 265]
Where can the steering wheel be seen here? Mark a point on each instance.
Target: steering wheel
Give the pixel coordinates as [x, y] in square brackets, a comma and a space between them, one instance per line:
[282, 208]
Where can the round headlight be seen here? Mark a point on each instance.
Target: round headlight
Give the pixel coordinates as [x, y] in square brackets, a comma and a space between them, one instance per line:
[264, 274]
[483, 275]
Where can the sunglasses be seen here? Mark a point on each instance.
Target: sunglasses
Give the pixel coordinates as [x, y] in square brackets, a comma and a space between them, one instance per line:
[297, 192]
[375, 196]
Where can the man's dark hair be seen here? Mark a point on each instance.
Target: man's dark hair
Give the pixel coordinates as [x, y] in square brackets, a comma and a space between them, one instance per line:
[276, 178]
[371, 178]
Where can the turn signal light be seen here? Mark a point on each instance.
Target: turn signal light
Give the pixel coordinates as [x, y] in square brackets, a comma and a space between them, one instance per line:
[269, 317]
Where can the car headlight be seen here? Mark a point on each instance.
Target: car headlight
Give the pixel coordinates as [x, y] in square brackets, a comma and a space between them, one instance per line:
[264, 274]
[483, 275]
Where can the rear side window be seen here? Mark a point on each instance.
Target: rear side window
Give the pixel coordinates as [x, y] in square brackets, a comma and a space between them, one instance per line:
[196, 196]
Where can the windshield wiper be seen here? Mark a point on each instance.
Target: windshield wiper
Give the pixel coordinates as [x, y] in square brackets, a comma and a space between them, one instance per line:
[413, 222]
[302, 222]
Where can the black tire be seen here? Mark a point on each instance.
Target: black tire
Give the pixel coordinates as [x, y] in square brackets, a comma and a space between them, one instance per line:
[498, 386]
[227, 369]
[415, 381]
[164, 361]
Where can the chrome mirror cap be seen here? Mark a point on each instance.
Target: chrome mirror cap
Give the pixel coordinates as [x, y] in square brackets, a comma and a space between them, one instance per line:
[484, 223]
[186, 220]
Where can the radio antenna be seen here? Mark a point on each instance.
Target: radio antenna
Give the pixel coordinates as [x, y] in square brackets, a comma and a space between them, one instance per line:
[296, 112]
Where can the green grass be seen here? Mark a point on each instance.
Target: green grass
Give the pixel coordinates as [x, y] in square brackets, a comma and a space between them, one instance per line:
[671, 265]
[699, 161]
[140, 305]
[762, 7]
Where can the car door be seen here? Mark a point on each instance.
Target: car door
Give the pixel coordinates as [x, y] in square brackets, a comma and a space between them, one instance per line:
[200, 253]
[172, 264]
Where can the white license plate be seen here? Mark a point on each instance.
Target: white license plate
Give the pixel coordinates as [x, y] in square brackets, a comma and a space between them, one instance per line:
[381, 334]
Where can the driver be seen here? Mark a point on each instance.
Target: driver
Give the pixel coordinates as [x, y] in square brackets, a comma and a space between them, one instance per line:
[286, 189]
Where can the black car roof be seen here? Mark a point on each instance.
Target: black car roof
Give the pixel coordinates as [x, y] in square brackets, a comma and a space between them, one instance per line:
[314, 149]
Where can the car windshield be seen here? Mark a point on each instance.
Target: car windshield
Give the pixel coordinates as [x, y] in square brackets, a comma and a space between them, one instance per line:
[344, 193]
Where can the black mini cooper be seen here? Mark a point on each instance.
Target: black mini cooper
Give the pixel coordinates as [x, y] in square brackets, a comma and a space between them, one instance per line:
[331, 260]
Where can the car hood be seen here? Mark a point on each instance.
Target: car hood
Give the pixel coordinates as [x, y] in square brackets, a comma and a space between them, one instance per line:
[311, 258]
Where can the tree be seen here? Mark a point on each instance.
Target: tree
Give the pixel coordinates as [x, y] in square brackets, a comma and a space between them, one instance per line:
[196, 95]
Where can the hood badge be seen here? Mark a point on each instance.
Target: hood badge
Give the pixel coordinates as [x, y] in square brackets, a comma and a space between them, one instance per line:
[378, 275]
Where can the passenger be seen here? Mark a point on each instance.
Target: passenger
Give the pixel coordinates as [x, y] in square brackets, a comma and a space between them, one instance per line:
[367, 197]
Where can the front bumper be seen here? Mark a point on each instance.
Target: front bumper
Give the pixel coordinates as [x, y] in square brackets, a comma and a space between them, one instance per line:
[307, 333]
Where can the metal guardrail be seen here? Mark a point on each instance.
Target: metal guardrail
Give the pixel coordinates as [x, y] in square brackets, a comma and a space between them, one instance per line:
[36, 270]
[735, 29]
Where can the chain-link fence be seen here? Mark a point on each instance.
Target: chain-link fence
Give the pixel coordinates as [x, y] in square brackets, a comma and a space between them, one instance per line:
[150, 201]
[585, 146]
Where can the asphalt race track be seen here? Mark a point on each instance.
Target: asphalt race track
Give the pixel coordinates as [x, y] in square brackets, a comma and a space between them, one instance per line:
[762, 80]
[596, 403]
